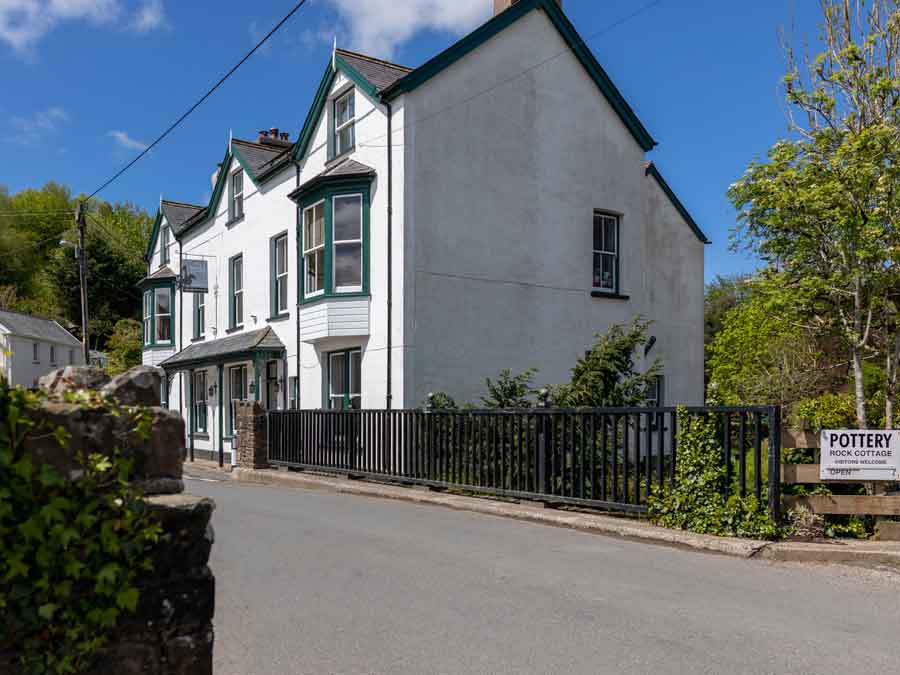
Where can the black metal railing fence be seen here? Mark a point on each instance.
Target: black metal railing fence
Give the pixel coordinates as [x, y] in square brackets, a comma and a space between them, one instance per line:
[611, 458]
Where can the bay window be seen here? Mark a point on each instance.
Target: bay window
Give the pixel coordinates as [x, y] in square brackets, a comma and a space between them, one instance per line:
[158, 315]
[347, 228]
[314, 248]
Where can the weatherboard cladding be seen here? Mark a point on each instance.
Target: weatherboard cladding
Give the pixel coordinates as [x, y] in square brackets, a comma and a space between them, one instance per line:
[27, 326]
[263, 339]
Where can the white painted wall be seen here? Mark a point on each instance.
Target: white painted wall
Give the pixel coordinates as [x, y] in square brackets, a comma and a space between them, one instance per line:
[500, 195]
[17, 358]
[371, 142]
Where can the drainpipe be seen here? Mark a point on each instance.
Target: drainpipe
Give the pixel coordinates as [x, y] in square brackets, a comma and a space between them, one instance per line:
[390, 260]
[297, 312]
[180, 313]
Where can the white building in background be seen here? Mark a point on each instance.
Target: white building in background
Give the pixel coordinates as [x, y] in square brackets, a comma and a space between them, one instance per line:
[32, 346]
[490, 209]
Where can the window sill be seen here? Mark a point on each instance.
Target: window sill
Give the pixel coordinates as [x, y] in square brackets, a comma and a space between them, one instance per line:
[608, 294]
[200, 436]
[199, 339]
[150, 348]
[337, 158]
[334, 296]
[278, 317]
[236, 329]
[234, 221]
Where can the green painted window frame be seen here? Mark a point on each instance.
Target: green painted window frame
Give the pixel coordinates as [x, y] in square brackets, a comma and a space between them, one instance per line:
[232, 293]
[164, 246]
[151, 293]
[200, 416]
[199, 313]
[333, 153]
[347, 395]
[275, 295]
[617, 253]
[327, 193]
[231, 399]
[233, 215]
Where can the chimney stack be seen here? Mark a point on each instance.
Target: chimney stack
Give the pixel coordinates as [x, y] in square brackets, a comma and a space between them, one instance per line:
[273, 132]
[503, 5]
[263, 134]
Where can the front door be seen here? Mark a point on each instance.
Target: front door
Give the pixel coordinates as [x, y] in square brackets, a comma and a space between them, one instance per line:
[344, 371]
[272, 385]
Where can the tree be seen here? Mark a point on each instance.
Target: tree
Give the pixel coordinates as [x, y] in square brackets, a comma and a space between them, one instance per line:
[824, 208]
[607, 376]
[125, 347]
[770, 349]
[722, 295]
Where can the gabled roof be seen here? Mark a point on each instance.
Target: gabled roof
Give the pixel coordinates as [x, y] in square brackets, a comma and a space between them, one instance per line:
[36, 328]
[233, 346]
[502, 21]
[164, 273]
[257, 158]
[178, 213]
[651, 170]
[381, 74]
[345, 169]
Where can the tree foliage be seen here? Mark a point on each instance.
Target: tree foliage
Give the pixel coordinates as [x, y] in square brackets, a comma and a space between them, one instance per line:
[608, 375]
[43, 274]
[125, 346]
[510, 390]
[824, 207]
[769, 349]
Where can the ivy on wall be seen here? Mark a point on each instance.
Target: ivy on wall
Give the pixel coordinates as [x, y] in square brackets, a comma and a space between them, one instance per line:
[71, 548]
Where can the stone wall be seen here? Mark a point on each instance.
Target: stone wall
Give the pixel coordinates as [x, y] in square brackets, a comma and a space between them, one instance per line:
[250, 422]
[171, 632]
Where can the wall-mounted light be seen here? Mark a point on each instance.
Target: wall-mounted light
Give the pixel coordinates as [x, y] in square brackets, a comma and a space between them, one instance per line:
[212, 390]
[252, 388]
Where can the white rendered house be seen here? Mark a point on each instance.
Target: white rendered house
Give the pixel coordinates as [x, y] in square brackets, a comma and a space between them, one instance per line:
[32, 346]
[492, 208]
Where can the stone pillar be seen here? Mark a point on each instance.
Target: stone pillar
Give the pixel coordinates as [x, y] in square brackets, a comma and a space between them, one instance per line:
[250, 423]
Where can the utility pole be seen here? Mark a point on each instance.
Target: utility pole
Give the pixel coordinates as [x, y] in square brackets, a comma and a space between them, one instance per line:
[82, 276]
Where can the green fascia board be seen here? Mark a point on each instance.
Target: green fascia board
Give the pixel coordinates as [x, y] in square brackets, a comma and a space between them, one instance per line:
[316, 188]
[651, 170]
[502, 21]
[315, 111]
[321, 98]
[236, 154]
[154, 233]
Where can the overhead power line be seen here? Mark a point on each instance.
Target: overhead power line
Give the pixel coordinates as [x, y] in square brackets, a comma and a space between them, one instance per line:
[196, 105]
[30, 214]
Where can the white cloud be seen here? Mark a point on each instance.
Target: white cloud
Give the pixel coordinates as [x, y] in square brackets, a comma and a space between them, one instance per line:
[24, 22]
[126, 141]
[32, 130]
[378, 27]
[150, 15]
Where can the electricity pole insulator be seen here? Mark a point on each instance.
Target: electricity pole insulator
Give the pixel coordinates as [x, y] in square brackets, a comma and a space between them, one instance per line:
[82, 277]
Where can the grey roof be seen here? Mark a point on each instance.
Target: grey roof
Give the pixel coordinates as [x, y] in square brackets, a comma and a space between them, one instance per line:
[213, 351]
[37, 328]
[178, 213]
[380, 73]
[164, 272]
[259, 156]
[344, 169]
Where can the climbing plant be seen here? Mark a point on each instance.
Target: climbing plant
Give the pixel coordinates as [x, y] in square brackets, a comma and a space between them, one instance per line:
[71, 547]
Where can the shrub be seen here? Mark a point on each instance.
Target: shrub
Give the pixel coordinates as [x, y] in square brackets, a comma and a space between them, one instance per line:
[440, 400]
[697, 502]
[828, 411]
[510, 391]
[70, 549]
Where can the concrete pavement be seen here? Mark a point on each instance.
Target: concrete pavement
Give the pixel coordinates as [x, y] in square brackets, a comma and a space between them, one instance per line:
[310, 581]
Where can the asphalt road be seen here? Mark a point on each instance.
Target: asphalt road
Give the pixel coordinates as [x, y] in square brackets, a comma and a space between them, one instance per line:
[316, 582]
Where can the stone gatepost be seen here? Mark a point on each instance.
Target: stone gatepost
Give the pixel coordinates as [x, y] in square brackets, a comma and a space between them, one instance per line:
[250, 423]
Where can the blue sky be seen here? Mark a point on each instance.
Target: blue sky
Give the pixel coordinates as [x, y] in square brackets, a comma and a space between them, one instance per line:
[88, 82]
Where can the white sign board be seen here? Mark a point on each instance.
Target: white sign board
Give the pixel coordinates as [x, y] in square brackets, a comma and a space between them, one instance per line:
[871, 454]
